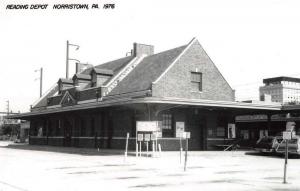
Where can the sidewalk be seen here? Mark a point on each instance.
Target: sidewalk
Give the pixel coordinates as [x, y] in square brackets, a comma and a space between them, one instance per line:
[35, 168]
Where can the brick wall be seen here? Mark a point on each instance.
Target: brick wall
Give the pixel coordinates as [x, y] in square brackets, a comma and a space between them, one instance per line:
[177, 81]
[55, 141]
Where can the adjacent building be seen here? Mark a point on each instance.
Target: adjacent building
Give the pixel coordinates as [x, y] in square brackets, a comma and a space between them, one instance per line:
[283, 89]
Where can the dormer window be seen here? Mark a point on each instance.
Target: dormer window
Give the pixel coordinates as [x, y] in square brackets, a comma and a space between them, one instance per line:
[81, 80]
[100, 76]
[196, 81]
[64, 84]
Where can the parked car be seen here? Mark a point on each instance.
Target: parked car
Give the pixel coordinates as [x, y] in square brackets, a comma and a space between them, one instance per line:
[266, 144]
[293, 145]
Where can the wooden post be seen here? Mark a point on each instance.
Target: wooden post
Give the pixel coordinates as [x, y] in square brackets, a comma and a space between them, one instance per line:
[147, 148]
[285, 161]
[180, 152]
[186, 149]
[126, 147]
[140, 148]
[153, 148]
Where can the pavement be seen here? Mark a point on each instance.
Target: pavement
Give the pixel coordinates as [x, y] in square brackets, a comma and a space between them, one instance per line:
[34, 168]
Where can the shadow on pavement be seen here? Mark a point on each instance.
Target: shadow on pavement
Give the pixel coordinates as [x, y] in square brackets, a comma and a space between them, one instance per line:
[271, 155]
[66, 150]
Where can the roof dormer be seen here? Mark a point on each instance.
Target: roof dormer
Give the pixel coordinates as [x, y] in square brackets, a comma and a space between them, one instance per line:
[82, 81]
[64, 84]
[100, 76]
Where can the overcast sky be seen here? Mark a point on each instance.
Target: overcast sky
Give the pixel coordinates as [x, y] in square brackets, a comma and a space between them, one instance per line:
[247, 40]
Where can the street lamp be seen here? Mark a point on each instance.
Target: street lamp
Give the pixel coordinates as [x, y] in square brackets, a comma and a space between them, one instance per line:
[67, 58]
[41, 80]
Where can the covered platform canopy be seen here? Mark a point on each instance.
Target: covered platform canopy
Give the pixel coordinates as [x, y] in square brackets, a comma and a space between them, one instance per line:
[237, 108]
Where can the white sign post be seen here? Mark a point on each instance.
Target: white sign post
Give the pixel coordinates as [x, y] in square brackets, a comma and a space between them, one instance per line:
[126, 147]
[140, 139]
[147, 139]
[286, 135]
[180, 149]
[187, 136]
[148, 130]
[153, 139]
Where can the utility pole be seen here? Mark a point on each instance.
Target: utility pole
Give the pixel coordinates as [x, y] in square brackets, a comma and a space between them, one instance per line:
[41, 80]
[7, 107]
[67, 61]
[67, 57]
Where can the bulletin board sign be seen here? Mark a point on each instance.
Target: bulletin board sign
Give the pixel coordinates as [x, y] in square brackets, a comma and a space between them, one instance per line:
[179, 128]
[147, 137]
[287, 135]
[186, 135]
[146, 126]
[140, 137]
[231, 131]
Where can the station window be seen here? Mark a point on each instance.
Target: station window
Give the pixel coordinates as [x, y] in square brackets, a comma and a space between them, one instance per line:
[196, 79]
[166, 121]
[220, 131]
[167, 130]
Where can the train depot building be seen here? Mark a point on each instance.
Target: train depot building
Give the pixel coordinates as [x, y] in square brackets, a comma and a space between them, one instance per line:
[181, 89]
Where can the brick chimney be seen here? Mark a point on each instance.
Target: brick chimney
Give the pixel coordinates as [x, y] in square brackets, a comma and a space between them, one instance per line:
[139, 49]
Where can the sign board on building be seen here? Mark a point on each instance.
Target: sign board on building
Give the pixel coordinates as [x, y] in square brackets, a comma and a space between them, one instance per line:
[179, 128]
[140, 137]
[231, 131]
[146, 126]
[153, 136]
[290, 126]
[25, 125]
[147, 137]
[186, 135]
[287, 135]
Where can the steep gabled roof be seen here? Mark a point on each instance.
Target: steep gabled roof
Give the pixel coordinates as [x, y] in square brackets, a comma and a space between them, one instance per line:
[146, 72]
[115, 65]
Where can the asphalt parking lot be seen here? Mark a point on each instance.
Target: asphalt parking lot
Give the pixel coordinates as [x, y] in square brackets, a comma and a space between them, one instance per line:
[26, 167]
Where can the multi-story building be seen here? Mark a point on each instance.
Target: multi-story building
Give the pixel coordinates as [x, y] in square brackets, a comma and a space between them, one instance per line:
[285, 90]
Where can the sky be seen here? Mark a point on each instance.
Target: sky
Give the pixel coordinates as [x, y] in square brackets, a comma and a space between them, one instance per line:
[247, 40]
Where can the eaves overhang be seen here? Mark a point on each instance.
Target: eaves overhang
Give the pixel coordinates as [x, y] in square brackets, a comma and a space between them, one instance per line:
[291, 107]
[152, 100]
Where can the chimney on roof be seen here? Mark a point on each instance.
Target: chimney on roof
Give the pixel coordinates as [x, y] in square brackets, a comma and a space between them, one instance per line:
[139, 49]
